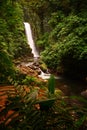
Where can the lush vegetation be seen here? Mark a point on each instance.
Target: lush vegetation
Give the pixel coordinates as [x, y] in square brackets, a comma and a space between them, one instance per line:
[60, 31]
[69, 50]
[12, 37]
[29, 113]
[64, 43]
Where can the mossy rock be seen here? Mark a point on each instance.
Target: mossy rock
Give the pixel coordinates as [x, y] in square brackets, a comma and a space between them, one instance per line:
[43, 66]
[58, 93]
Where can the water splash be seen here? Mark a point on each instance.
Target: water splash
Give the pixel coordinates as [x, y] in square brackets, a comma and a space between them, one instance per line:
[44, 75]
[47, 75]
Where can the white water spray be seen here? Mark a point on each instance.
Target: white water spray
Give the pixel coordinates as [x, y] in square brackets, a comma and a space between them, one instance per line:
[30, 39]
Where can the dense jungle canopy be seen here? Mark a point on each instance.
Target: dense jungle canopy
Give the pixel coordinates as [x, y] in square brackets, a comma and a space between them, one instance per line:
[59, 30]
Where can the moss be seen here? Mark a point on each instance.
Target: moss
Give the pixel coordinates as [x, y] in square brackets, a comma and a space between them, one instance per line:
[43, 66]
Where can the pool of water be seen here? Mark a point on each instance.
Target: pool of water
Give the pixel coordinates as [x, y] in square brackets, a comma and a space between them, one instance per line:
[70, 87]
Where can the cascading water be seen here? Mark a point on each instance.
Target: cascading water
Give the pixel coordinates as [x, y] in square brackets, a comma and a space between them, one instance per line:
[30, 39]
[33, 47]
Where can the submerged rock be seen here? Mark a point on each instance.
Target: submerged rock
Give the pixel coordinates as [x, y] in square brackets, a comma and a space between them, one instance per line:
[84, 93]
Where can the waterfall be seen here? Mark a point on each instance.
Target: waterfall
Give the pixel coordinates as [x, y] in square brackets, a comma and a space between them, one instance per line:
[30, 40]
[34, 50]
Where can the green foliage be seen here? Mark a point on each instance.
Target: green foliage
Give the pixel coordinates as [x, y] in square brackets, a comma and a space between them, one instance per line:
[29, 80]
[67, 48]
[51, 84]
[64, 39]
[43, 41]
[12, 28]
[12, 37]
[26, 116]
[50, 57]
[43, 66]
[6, 66]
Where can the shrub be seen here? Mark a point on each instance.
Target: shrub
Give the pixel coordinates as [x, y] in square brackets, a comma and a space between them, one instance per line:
[68, 49]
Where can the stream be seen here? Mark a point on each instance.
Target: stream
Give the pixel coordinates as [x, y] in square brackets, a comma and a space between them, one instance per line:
[69, 87]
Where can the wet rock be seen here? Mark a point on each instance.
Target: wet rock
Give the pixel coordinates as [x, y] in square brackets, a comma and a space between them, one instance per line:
[38, 71]
[84, 93]
[36, 64]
